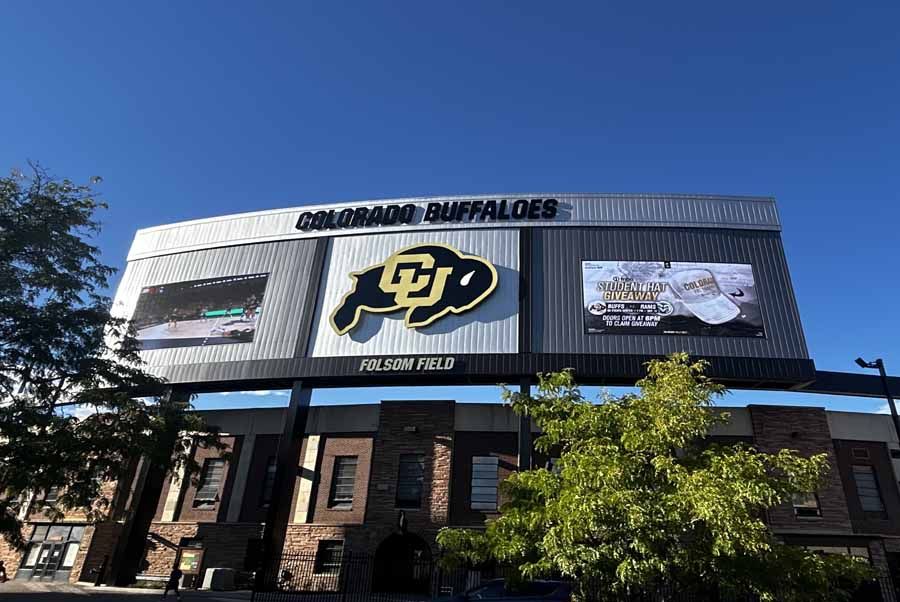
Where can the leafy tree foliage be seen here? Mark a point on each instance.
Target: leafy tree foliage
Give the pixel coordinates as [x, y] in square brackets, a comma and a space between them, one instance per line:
[60, 347]
[640, 497]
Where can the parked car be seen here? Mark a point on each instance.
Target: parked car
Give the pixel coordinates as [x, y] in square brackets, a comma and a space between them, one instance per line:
[534, 591]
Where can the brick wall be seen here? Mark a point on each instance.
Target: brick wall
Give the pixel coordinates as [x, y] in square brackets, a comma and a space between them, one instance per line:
[225, 544]
[806, 431]
[335, 447]
[874, 454]
[407, 427]
[99, 541]
[10, 556]
[466, 445]
[187, 512]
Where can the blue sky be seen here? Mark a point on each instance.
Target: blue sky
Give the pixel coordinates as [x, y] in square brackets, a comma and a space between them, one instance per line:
[195, 109]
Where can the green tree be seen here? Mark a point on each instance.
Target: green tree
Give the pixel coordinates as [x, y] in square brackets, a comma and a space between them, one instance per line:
[60, 348]
[640, 497]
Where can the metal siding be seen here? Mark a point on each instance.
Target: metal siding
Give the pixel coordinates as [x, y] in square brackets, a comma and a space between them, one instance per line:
[491, 327]
[576, 209]
[558, 327]
[288, 265]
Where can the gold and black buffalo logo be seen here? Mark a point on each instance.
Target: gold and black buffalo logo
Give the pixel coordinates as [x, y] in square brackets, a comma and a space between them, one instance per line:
[428, 281]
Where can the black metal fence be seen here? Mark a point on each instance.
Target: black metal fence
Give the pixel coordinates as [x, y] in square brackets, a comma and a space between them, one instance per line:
[358, 578]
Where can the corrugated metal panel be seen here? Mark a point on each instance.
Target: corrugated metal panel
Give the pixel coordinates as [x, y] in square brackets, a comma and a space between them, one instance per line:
[491, 327]
[575, 209]
[557, 289]
[287, 264]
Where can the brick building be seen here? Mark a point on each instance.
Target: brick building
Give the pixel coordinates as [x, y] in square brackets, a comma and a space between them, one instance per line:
[363, 469]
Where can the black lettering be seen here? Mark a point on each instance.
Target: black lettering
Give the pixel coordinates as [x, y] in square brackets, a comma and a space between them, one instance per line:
[549, 211]
[534, 209]
[391, 213]
[503, 214]
[463, 210]
[448, 212]
[304, 220]
[319, 219]
[520, 209]
[433, 212]
[359, 217]
[476, 210]
[343, 220]
[407, 213]
[329, 221]
[490, 210]
[375, 215]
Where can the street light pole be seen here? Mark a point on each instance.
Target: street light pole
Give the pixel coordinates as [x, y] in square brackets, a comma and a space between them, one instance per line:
[878, 364]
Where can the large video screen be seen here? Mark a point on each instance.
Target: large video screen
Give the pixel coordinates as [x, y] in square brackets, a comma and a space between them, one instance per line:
[677, 298]
[215, 311]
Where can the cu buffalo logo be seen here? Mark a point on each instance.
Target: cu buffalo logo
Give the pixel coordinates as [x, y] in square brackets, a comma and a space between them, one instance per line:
[428, 281]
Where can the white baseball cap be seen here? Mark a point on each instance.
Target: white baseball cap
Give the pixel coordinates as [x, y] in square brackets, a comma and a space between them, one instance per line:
[700, 293]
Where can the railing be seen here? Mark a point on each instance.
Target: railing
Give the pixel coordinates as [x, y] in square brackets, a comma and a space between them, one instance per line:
[358, 578]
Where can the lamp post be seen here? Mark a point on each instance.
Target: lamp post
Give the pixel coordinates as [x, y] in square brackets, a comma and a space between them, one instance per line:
[878, 364]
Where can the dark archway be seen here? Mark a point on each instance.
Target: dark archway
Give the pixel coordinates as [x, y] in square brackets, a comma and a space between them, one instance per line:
[402, 565]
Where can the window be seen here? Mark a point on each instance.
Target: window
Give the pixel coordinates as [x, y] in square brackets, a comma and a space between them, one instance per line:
[343, 481]
[806, 505]
[484, 483]
[860, 453]
[268, 486]
[409, 481]
[58, 533]
[867, 489]
[328, 557]
[40, 532]
[210, 480]
[51, 495]
[841, 550]
[69, 556]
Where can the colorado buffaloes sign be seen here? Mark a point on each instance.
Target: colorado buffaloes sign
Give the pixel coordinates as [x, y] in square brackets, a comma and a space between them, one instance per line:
[428, 281]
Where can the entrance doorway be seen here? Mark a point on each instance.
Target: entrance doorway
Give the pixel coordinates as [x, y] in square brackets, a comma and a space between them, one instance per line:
[402, 565]
[51, 552]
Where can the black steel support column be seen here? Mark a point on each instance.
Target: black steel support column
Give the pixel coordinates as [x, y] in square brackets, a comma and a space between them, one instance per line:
[879, 363]
[286, 469]
[525, 443]
[129, 551]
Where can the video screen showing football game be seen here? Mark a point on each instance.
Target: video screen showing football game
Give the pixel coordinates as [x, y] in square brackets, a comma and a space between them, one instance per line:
[215, 311]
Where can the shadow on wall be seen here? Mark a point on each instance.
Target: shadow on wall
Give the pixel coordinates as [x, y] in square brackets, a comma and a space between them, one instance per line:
[502, 304]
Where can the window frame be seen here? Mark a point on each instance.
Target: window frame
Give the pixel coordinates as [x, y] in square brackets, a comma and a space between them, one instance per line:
[484, 475]
[799, 507]
[51, 495]
[868, 469]
[323, 566]
[343, 503]
[206, 503]
[418, 481]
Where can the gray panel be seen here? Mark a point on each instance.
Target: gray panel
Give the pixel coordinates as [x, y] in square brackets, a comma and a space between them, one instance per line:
[287, 264]
[491, 327]
[575, 209]
[557, 293]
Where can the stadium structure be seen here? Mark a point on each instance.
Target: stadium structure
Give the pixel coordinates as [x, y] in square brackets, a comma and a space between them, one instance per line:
[450, 291]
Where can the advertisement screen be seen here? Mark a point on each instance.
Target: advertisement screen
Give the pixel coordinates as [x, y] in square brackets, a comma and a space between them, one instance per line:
[215, 311]
[663, 297]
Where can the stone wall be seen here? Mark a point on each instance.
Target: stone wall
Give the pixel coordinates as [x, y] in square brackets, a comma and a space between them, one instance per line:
[225, 544]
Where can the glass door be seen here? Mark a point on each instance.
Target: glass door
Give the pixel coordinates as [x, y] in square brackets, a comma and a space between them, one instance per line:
[48, 561]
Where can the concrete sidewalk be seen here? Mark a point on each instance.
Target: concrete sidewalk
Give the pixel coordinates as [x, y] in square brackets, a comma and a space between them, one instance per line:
[27, 591]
